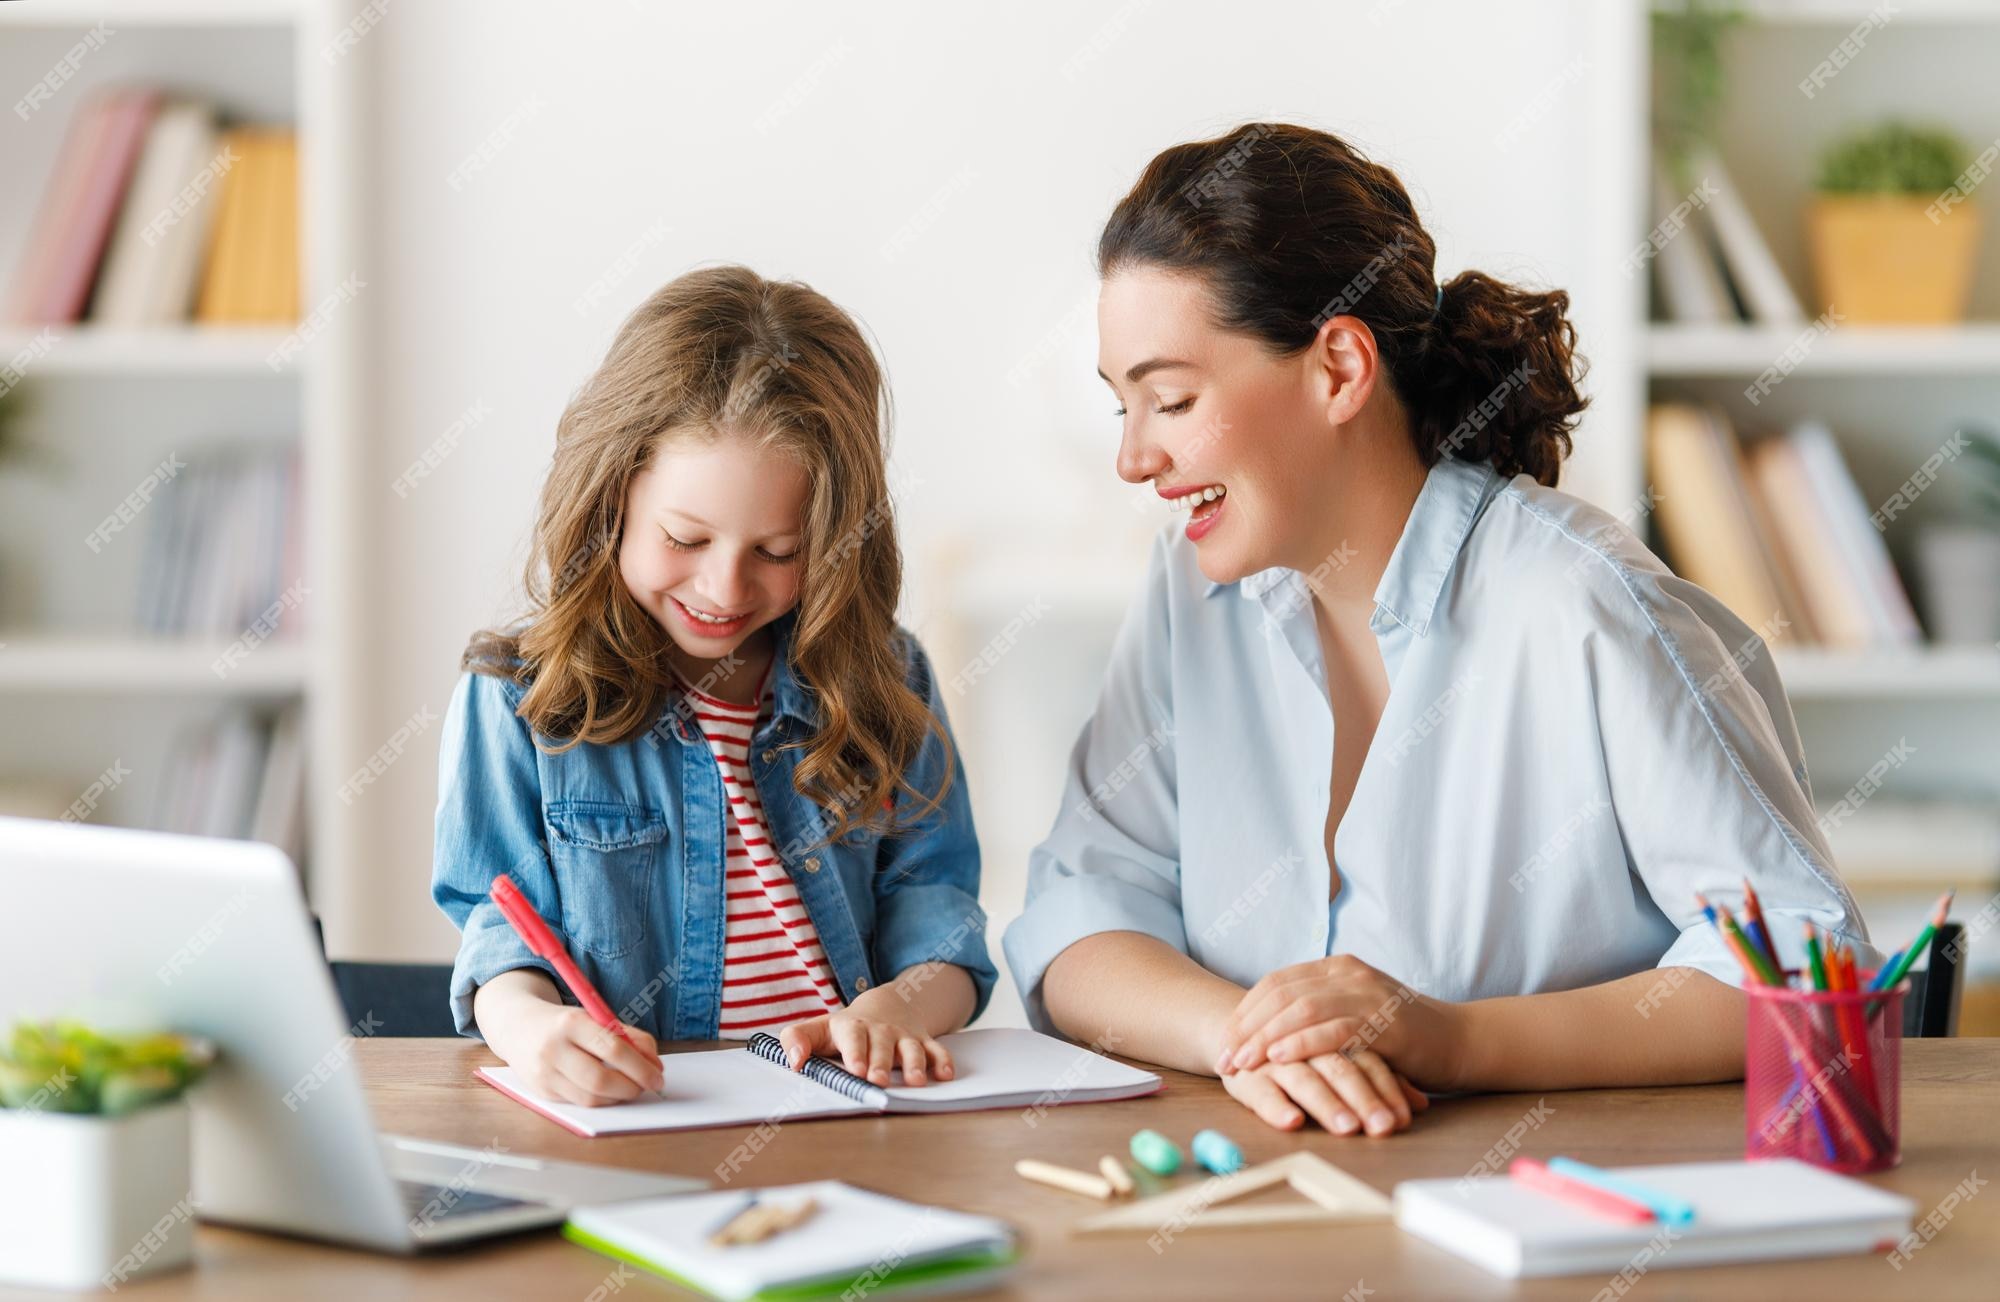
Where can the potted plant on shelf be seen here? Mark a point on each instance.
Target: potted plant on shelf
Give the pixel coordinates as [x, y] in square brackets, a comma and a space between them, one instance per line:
[1892, 234]
[1959, 560]
[95, 1181]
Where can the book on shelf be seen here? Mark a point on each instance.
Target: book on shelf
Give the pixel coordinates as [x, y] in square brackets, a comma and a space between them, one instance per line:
[155, 214]
[1685, 269]
[1713, 265]
[240, 774]
[1761, 287]
[223, 555]
[1780, 534]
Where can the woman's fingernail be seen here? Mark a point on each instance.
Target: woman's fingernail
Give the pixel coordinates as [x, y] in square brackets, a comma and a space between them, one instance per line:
[1380, 1121]
[1345, 1123]
[1279, 1054]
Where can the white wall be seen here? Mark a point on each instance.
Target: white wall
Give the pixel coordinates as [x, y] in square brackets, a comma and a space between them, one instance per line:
[802, 140]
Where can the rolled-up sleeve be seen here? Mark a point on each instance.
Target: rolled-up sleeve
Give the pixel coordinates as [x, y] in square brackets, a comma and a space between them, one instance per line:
[927, 873]
[488, 822]
[1708, 778]
[1112, 860]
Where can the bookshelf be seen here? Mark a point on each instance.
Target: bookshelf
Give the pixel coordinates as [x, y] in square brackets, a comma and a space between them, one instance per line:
[85, 688]
[1891, 395]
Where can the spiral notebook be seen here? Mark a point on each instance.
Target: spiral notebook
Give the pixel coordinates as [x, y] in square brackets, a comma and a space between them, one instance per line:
[999, 1067]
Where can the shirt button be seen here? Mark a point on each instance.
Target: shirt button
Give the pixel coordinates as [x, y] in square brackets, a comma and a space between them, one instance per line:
[769, 755]
[811, 865]
[860, 984]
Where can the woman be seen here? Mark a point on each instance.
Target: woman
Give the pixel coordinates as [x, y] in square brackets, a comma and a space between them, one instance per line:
[1407, 767]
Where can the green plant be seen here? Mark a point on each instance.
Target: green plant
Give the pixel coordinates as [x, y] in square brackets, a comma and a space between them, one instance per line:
[67, 1067]
[1688, 79]
[11, 411]
[1982, 466]
[1893, 158]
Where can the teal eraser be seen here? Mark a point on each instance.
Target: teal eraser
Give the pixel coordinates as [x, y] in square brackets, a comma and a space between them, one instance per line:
[1155, 1152]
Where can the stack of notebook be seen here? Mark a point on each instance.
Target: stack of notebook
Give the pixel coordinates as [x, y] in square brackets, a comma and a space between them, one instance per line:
[1743, 1211]
[854, 1244]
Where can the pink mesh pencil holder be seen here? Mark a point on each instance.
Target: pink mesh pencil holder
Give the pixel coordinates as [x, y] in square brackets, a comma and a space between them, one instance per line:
[1822, 1076]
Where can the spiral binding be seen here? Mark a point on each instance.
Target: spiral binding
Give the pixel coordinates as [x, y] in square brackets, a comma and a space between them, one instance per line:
[820, 1071]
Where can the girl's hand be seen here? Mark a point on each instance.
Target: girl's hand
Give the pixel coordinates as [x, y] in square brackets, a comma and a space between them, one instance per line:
[557, 1050]
[1341, 1003]
[868, 1044]
[1343, 1092]
[561, 1054]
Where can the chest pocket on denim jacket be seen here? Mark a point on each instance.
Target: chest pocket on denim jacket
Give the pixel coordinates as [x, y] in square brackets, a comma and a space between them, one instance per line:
[606, 856]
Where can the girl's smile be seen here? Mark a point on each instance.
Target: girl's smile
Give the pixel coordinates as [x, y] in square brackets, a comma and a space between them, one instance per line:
[714, 536]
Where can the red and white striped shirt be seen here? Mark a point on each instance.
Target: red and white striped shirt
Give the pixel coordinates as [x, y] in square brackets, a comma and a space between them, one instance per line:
[774, 970]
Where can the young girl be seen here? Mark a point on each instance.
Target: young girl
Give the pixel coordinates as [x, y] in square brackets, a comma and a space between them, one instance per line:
[1408, 767]
[709, 757]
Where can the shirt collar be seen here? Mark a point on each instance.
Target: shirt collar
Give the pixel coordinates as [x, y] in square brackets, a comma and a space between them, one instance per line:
[1453, 494]
[789, 693]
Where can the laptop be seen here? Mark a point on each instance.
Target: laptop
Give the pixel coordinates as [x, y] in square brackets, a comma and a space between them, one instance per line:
[129, 930]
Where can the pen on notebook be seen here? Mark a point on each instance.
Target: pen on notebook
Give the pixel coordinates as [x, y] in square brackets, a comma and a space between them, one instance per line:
[535, 933]
[724, 1221]
[1526, 1171]
[1668, 1208]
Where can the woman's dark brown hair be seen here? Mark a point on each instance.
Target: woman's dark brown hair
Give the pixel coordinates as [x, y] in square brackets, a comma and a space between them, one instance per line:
[724, 353]
[1289, 227]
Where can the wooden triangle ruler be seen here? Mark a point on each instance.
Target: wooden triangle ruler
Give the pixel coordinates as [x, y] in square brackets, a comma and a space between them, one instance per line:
[1332, 1194]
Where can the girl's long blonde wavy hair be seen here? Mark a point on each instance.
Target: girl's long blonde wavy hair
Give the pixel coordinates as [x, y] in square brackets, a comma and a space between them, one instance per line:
[724, 353]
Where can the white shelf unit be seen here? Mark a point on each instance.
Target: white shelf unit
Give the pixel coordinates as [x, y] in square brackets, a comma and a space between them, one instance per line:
[1699, 350]
[134, 665]
[195, 350]
[83, 689]
[1891, 394]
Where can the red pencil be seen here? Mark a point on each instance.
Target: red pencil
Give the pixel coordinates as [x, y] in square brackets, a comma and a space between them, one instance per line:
[1534, 1175]
[515, 908]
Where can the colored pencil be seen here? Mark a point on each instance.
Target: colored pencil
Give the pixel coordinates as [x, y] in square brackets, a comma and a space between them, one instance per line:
[1759, 930]
[1739, 946]
[1745, 952]
[1815, 961]
[1895, 971]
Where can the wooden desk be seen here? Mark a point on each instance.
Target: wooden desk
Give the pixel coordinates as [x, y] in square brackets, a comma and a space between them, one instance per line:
[1951, 1128]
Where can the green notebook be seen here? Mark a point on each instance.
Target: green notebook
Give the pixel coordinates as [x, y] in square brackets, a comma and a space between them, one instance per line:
[854, 1239]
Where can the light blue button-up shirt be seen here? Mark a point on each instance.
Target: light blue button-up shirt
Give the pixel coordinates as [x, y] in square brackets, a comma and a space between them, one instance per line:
[1575, 742]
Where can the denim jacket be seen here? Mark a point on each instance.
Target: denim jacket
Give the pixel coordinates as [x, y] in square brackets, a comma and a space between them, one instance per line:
[620, 848]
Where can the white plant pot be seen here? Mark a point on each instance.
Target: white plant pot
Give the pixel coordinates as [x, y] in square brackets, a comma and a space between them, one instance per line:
[1960, 565]
[94, 1202]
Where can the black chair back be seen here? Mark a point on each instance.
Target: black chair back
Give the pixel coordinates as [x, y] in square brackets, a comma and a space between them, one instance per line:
[1931, 1009]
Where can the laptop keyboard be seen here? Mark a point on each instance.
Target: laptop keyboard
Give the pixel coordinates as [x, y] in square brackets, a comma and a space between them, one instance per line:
[436, 1202]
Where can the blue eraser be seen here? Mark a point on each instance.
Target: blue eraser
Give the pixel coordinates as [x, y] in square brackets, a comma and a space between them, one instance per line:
[1217, 1152]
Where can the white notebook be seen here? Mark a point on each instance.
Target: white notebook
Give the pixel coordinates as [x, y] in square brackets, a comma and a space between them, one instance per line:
[1000, 1067]
[1744, 1211]
[856, 1243]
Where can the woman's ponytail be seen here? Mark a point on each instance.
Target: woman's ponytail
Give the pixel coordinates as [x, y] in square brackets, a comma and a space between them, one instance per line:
[1495, 378]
